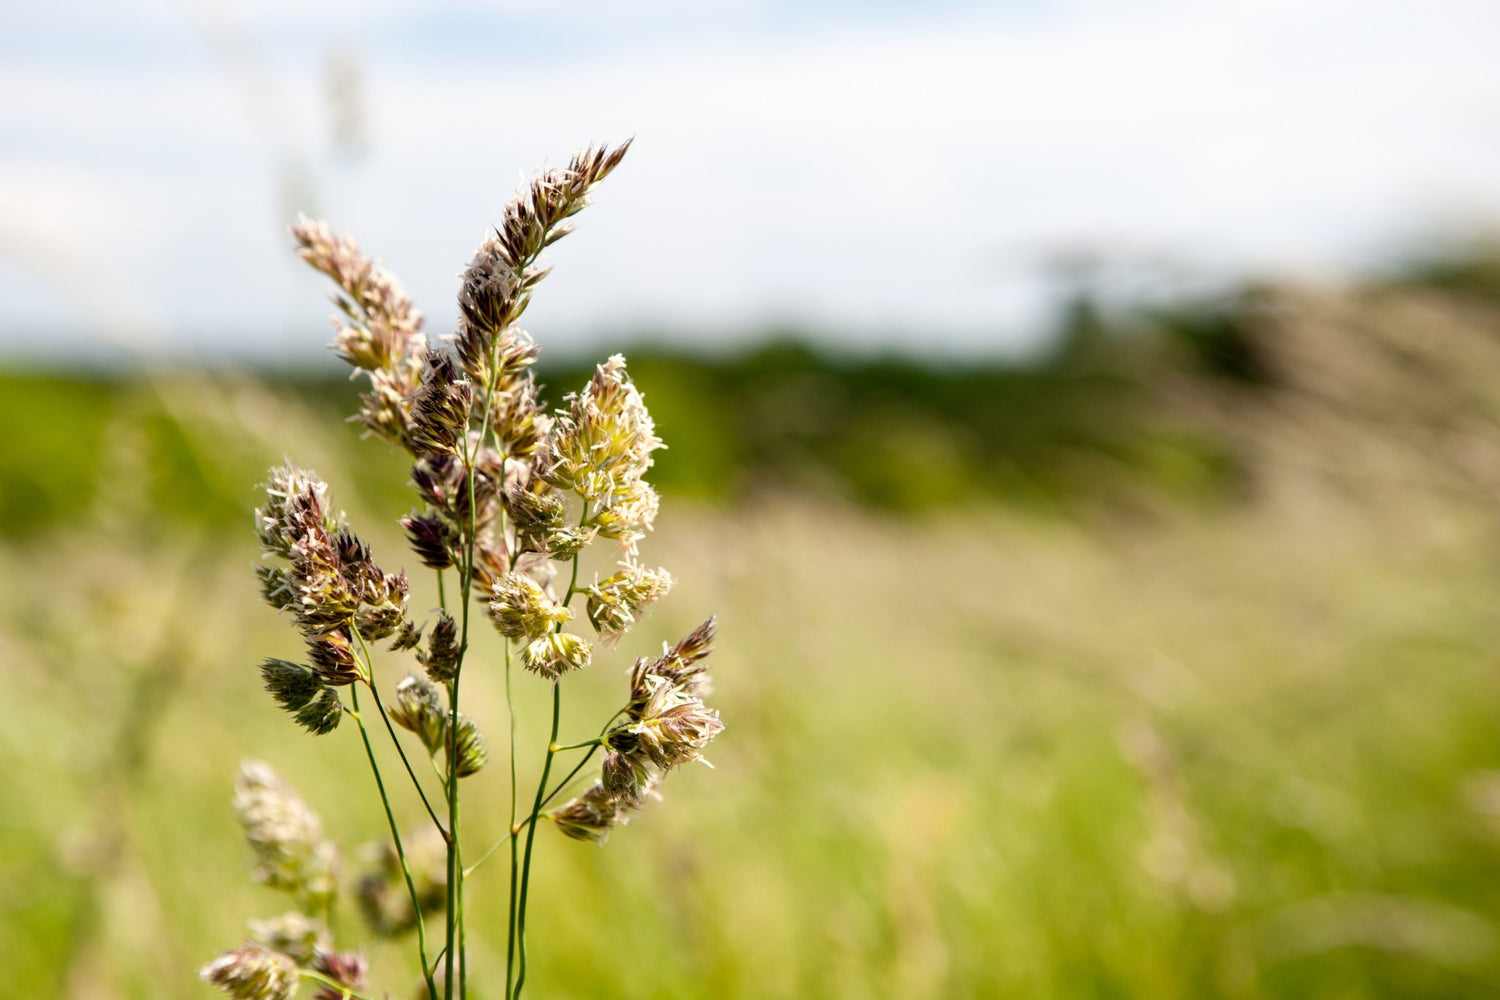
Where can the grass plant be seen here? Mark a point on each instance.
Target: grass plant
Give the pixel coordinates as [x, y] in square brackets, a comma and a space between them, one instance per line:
[511, 496]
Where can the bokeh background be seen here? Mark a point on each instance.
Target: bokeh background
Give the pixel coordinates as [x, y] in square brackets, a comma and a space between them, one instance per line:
[1084, 418]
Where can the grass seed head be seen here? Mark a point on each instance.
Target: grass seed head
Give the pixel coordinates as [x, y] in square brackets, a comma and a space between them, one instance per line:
[419, 708]
[441, 656]
[471, 751]
[521, 609]
[284, 834]
[333, 658]
[615, 603]
[347, 968]
[296, 935]
[252, 973]
[433, 539]
[555, 654]
[321, 715]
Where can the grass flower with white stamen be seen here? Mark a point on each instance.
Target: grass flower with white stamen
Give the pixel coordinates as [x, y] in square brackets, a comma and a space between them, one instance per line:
[556, 653]
[521, 610]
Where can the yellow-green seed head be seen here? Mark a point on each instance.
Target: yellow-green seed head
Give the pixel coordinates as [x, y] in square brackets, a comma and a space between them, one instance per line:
[555, 654]
[521, 610]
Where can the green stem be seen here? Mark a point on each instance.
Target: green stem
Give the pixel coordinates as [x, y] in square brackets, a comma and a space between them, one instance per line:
[318, 977]
[411, 886]
[510, 923]
[571, 775]
[578, 746]
[455, 884]
[541, 790]
[379, 705]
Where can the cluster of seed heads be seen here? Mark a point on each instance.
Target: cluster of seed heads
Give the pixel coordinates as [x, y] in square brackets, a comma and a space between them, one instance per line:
[509, 494]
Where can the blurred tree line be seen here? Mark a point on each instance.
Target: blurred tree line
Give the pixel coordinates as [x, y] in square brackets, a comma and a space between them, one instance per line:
[1164, 401]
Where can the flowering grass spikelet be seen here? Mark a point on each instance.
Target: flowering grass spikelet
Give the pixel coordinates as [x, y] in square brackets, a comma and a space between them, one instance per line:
[441, 656]
[252, 973]
[419, 708]
[470, 752]
[286, 836]
[555, 654]
[522, 610]
[321, 715]
[604, 441]
[615, 603]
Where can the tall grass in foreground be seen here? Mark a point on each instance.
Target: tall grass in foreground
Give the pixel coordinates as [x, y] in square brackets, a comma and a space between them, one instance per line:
[511, 497]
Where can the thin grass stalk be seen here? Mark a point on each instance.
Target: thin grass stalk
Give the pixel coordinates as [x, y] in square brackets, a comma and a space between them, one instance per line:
[531, 834]
[455, 889]
[380, 706]
[411, 886]
[510, 930]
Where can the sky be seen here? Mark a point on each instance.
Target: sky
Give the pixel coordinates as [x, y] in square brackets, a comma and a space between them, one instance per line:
[926, 178]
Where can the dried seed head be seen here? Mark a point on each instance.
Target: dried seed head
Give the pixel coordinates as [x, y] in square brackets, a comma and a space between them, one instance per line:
[408, 636]
[471, 751]
[293, 496]
[285, 835]
[498, 283]
[380, 621]
[347, 968]
[419, 708]
[615, 603]
[432, 539]
[440, 407]
[602, 445]
[441, 658]
[296, 935]
[443, 483]
[333, 658]
[597, 811]
[520, 608]
[378, 332]
[555, 654]
[252, 973]
[387, 325]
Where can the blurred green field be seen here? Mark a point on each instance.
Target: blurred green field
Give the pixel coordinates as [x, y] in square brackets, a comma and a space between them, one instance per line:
[1127, 742]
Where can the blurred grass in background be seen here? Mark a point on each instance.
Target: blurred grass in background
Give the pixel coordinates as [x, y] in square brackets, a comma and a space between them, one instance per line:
[1166, 668]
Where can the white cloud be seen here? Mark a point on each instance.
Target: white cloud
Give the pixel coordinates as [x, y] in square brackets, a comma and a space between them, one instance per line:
[873, 176]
